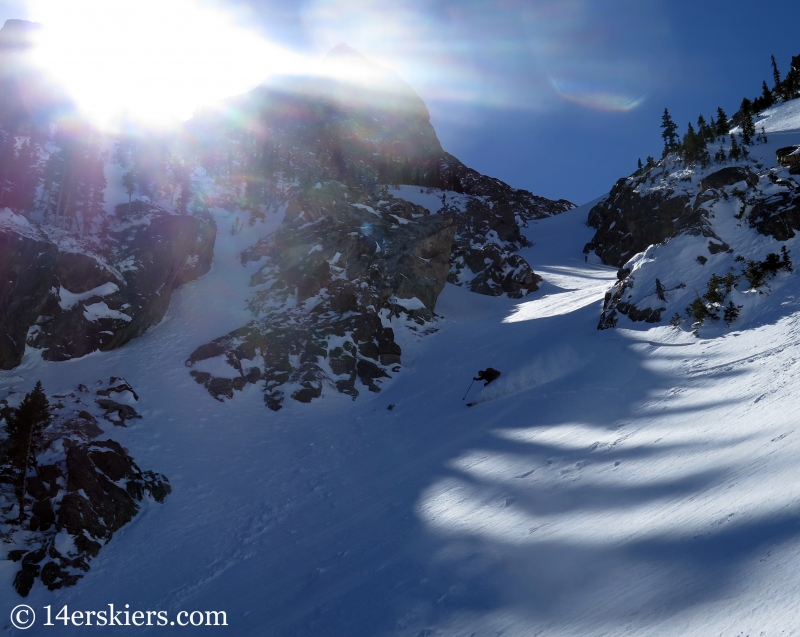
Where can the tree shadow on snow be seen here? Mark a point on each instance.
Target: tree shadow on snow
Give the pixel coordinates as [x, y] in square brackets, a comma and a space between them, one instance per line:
[388, 569]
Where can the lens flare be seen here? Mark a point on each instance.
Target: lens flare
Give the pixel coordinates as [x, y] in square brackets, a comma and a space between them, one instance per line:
[596, 97]
[512, 54]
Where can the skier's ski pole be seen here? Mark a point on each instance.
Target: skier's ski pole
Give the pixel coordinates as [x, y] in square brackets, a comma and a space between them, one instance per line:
[470, 387]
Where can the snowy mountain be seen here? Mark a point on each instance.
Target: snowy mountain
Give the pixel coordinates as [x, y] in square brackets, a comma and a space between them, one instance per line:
[350, 218]
[301, 390]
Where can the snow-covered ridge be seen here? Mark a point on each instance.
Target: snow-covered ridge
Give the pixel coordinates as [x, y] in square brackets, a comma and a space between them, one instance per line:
[720, 220]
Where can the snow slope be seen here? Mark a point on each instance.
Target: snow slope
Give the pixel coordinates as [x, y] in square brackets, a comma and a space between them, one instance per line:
[616, 482]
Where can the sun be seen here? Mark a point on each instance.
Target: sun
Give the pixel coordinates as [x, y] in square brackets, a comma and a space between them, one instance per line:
[153, 62]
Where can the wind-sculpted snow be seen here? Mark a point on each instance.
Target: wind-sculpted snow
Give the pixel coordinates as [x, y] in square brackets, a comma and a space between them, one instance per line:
[580, 287]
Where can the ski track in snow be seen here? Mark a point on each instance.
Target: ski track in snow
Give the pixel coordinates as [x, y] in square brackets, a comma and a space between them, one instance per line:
[619, 482]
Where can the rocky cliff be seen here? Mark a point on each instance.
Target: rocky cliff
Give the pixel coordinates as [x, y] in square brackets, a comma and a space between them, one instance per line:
[83, 486]
[345, 271]
[69, 296]
[82, 269]
[367, 135]
[697, 243]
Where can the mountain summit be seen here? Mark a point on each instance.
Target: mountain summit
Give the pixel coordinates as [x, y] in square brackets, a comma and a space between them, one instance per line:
[330, 207]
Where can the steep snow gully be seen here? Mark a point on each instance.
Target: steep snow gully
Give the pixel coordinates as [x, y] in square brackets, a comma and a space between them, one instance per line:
[627, 481]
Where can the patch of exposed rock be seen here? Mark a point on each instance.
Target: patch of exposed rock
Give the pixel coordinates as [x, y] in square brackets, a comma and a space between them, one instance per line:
[645, 212]
[70, 300]
[339, 278]
[83, 488]
[649, 209]
[789, 157]
[617, 301]
[629, 220]
[778, 213]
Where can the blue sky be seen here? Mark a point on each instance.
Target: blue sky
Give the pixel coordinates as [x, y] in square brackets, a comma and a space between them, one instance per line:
[556, 96]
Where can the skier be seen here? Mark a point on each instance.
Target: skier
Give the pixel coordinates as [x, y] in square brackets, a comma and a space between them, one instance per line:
[489, 374]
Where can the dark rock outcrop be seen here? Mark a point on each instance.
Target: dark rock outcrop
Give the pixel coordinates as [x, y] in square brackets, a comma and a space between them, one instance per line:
[371, 135]
[27, 266]
[489, 234]
[728, 176]
[778, 215]
[79, 302]
[668, 202]
[82, 280]
[635, 216]
[629, 221]
[614, 303]
[789, 157]
[342, 272]
[84, 490]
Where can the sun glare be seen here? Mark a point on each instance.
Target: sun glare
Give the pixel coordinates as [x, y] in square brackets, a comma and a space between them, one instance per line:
[150, 61]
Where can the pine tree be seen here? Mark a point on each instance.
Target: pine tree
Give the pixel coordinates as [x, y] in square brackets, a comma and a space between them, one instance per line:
[703, 156]
[755, 274]
[640, 164]
[748, 125]
[776, 75]
[722, 122]
[694, 147]
[731, 312]
[689, 145]
[24, 429]
[129, 183]
[670, 134]
[736, 151]
[748, 129]
[767, 99]
[703, 129]
[791, 82]
[713, 294]
[786, 262]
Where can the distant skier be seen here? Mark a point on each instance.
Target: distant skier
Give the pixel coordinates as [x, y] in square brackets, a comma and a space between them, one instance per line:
[489, 374]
